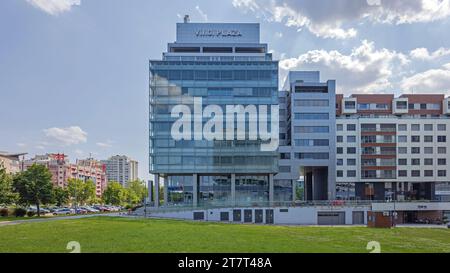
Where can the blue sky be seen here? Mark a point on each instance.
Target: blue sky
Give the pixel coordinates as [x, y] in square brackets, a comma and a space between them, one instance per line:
[74, 73]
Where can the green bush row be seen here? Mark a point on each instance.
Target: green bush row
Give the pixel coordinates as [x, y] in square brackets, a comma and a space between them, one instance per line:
[18, 212]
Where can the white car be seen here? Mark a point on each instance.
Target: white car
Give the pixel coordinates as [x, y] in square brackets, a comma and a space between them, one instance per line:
[90, 209]
[64, 211]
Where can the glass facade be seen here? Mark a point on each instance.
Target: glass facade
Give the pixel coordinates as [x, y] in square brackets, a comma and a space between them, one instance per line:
[218, 83]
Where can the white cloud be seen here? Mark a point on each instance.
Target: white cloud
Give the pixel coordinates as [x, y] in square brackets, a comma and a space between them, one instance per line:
[202, 14]
[21, 145]
[365, 69]
[66, 136]
[430, 81]
[54, 7]
[423, 53]
[330, 18]
[107, 144]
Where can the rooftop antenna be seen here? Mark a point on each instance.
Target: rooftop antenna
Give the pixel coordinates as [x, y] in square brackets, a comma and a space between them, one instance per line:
[187, 19]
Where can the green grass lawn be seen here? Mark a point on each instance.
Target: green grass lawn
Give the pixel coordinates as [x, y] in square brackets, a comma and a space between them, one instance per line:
[109, 234]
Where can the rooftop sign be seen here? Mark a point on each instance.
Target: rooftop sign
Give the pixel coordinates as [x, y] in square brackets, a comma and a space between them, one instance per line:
[217, 33]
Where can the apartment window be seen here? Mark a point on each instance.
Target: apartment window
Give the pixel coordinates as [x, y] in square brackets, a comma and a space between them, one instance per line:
[411, 106]
[351, 150]
[402, 127]
[442, 139]
[402, 150]
[339, 127]
[312, 116]
[311, 103]
[368, 139]
[311, 129]
[285, 169]
[339, 139]
[428, 161]
[340, 162]
[351, 173]
[442, 127]
[340, 150]
[285, 156]
[442, 161]
[415, 173]
[428, 127]
[402, 105]
[428, 173]
[317, 156]
[311, 142]
[428, 138]
[351, 127]
[415, 127]
[351, 162]
[428, 150]
[415, 161]
[402, 173]
[402, 161]
[442, 150]
[415, 138]
[351, 139]
[402, 139]
[442, 173]
[415, 150]
[350, 105]
[340, 173]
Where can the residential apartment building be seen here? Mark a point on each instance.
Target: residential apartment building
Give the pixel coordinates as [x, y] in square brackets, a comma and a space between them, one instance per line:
[223, 64]
[121, 168]
[11, 162]
[392, 148]
[62, 170]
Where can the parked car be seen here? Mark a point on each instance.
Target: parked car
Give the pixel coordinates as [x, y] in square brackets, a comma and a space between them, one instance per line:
[41, 210]
[80, 210]
[64, 211]
[90, 209]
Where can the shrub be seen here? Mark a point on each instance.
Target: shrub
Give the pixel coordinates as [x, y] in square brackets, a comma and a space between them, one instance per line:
[4, 212]
[31, 213]
[20, 212]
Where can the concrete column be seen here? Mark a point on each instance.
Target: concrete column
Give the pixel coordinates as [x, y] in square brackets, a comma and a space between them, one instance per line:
[166, 192]
[195, 190]
[294, 190]
[271, 188]
[150, 190]
[156, 195]
[233, 189]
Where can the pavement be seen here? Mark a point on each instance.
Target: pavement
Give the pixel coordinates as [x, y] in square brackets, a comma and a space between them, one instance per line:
[56, 218]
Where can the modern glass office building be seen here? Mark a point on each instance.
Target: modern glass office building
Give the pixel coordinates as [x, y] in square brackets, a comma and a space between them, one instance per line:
[223, 64]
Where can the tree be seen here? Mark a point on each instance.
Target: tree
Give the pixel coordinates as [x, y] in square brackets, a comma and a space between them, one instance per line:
[60, 196]
[80, 192]
[137, 192]
[7, 196]
[114, 194]
[34, 186]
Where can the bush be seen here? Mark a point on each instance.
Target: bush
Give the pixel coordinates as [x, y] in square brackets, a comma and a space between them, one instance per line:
[20, 212]
[31, 213]
[4, 212]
